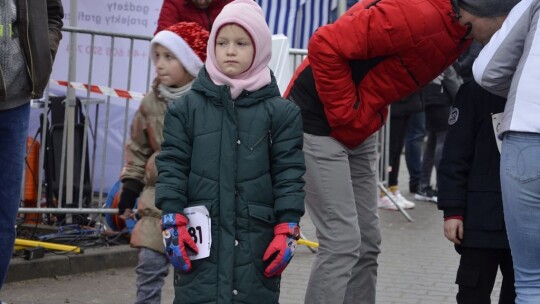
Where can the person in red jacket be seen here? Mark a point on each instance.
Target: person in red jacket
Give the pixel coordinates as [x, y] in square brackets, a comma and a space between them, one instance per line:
[377, 53]
[203, 12]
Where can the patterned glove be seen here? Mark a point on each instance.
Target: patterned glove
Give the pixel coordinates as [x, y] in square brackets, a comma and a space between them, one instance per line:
[281, 248]
[177, 241]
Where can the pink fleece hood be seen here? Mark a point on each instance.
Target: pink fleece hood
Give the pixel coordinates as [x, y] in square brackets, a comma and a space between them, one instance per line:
[249, 15]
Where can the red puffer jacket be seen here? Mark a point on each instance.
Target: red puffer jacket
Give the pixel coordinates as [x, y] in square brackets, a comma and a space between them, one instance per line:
[174, 11]
[412, 41]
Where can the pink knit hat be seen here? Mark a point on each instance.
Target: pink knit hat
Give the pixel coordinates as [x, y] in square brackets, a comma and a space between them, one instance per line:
[249, 15]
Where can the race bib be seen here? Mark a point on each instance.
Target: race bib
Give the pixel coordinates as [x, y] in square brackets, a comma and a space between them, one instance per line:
[199, 228]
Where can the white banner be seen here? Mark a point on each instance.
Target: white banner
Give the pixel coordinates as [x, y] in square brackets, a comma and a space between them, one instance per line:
[135, 17]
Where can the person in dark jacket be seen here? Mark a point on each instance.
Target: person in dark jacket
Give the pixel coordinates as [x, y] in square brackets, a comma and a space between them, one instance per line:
[470, 197]
[439, 94]
[29, 38]
[400, 115]
[204, 12]
[232, 153]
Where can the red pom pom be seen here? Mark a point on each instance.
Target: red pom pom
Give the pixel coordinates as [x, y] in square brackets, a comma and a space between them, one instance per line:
[194, 35]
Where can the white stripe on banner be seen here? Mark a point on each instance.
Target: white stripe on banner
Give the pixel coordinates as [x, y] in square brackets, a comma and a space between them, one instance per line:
[316, 13]
[297, 19]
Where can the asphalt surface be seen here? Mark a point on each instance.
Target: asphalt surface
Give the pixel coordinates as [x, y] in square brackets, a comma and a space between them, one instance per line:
[417, 265]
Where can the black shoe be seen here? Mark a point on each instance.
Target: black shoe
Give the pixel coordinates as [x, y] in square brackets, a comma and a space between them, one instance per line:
[426, 194]
[413, 188]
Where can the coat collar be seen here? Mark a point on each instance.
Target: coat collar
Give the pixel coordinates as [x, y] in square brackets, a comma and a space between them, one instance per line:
[221, 94]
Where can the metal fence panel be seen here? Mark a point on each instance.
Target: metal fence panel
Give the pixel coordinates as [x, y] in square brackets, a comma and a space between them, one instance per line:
[97, 96]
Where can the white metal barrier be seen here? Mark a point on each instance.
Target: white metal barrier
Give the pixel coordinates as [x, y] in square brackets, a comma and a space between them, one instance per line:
[84, 143]
[81, 188]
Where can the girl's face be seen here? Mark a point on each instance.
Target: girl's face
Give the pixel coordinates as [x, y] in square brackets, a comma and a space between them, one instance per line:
[234, 50]
[169, 70]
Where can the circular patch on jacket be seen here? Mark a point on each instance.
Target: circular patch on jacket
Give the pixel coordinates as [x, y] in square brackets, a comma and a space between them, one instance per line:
[454, 114]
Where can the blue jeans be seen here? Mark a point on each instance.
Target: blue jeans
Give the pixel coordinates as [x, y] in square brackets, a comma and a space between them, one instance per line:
[13, 133]
[414, 137]
[520, 184]
[432, 155]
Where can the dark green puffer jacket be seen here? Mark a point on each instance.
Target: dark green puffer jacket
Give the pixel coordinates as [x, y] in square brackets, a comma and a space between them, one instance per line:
[243, 160]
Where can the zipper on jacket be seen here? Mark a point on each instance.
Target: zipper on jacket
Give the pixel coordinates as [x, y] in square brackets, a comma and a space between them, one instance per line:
[268, 134]
[229, 95]
[3, 84]
[31, 72]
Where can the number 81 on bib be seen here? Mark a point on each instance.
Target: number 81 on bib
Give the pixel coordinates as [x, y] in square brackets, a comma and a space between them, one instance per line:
[199, 228]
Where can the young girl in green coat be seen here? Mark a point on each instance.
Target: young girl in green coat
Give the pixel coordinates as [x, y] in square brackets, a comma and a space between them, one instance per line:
[230, 183]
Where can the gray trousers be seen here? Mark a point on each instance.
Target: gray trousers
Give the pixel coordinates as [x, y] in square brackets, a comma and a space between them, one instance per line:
[341, 199]
[151, 270]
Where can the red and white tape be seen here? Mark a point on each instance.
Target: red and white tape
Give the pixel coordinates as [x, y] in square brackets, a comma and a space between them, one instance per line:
[100, 89]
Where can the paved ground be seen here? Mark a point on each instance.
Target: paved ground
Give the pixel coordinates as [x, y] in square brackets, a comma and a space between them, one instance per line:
[417, 265]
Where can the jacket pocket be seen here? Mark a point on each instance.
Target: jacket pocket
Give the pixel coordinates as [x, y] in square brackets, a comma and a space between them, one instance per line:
[262, 213]
[261, 140]
[262, 220]
[521, 159]
[467, 276]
